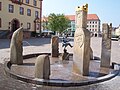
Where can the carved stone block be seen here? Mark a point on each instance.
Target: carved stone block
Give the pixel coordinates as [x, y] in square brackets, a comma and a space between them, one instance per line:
[16, 47]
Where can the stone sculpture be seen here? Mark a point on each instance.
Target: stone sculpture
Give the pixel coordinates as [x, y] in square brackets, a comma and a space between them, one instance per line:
[81, 55]
[55, 46]
[16, 47]
[42, 67]
[106, 45]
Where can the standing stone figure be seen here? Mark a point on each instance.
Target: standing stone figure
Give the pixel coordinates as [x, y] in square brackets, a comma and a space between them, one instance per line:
[106, 45]
[55, 46]
[16, 47]
[81, 55]
[42, 67]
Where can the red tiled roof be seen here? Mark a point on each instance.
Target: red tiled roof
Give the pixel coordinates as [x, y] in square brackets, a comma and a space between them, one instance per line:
[92, 17]
[89, 17]
[71, 17]
[44, 18]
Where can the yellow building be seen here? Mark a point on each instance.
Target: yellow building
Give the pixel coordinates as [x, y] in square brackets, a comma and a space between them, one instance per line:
[20, 13]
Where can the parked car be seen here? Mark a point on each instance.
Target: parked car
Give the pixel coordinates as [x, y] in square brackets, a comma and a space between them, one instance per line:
[47, 33]
[115, 37]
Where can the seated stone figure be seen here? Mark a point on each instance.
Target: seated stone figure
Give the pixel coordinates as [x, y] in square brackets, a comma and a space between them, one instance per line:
[66, 42]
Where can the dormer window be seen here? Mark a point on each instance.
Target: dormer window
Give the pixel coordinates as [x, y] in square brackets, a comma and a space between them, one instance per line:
[17, 1]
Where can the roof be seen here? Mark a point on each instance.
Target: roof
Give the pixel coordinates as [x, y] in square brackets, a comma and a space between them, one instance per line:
[89, 17]
[92, 17]
[44, 18]
[72, 17]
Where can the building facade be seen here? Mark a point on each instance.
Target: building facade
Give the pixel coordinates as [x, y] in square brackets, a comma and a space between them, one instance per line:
[93, 24]
[19, 13]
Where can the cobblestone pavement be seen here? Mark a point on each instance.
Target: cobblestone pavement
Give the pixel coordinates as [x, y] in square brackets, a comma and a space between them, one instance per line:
[43, 45]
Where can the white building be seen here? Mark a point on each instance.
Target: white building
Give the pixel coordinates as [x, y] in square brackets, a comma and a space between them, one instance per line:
[93, 24]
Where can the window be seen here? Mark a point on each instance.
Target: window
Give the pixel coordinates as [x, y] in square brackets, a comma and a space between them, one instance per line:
[17, 1]
[93, 22]
[11, 8]
[92, 25]
[96, 22]
[34, 2]
[90, 22]
[37, 26]
[0, 5]
[36, 14]
[0, 22]
[27, 1]
[21, 10]
[28, 12]
[28, 25]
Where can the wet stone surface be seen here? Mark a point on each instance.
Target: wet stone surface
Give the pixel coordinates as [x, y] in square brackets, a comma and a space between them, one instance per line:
[61, 70]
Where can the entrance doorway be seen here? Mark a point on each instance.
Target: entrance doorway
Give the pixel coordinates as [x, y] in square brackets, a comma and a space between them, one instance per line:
[95, 34]
[15, 25]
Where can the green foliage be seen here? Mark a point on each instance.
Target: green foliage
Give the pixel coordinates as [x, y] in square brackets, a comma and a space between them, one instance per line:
[58, 22]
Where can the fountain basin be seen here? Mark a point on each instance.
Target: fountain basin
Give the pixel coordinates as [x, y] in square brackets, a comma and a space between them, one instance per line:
[61, 72]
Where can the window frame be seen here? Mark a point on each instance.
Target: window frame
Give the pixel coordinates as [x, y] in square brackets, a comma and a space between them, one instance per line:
[11, 8]
[17, 1]
[36, 14]
[34, 2]
[27, 1]
[37, 26]
[28, 25]
[28, 12]
[21, 11]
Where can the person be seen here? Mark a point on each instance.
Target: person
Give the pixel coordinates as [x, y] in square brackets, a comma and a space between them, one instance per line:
[66, 42]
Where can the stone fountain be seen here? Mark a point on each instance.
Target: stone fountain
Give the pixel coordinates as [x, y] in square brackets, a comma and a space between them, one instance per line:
[49, 69]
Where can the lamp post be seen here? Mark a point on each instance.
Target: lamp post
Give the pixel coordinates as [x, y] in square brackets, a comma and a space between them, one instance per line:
[40, 14]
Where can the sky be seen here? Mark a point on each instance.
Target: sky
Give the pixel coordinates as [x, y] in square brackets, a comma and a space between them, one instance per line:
[107, 10]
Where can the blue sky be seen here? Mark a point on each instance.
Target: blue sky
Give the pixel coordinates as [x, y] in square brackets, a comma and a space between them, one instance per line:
[107, 10]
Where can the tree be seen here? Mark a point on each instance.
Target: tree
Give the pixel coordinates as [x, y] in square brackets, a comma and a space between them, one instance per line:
[58, 22]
